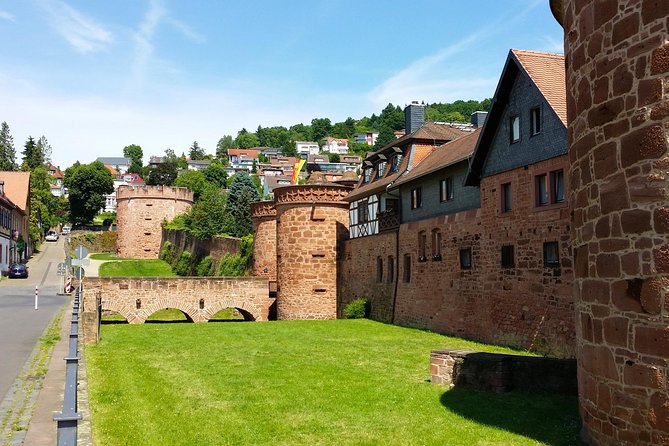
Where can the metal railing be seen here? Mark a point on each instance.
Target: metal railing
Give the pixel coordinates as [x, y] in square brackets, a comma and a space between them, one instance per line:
[68, 419]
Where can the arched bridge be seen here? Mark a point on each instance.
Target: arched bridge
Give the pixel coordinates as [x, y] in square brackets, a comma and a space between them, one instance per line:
[199, 298]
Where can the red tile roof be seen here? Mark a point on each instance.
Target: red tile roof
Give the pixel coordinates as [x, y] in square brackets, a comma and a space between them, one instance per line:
[249, 153]
[17, 188]
[548, 73]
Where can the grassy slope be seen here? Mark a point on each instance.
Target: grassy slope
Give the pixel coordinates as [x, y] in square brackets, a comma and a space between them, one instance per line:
[136, 268]
[300, 382]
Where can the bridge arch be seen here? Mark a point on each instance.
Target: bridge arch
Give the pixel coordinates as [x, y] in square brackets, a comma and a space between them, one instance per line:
[120, 308]
[187, 308]
[247, 310]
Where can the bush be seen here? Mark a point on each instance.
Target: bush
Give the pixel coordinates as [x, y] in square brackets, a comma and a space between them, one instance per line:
[356, 309]
[183, 266]
[203, 268]
[167, 252]
[232, 265]
[107, 241]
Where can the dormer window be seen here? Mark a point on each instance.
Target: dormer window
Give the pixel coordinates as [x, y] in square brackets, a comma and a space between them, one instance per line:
[367, 174]
[514, 128]
[397, 160]
[380, 169]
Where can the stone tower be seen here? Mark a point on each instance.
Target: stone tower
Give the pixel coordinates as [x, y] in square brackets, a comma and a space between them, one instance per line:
[263, 214]
[140, 214]
[617, 54]
[310, 219]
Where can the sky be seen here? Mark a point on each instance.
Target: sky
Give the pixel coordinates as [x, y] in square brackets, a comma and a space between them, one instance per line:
[96, 76]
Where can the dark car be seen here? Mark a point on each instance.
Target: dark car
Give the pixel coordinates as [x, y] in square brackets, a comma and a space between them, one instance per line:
[18, 270]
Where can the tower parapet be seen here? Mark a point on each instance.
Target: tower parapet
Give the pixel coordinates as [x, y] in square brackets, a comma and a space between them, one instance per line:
[140, 214]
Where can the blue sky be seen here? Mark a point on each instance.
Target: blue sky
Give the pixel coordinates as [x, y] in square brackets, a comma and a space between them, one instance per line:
[95, 76]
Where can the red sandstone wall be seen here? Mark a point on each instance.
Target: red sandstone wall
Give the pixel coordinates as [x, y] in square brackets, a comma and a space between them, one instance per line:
[618, 108]
[140, 214]
[264, 247]
[358, 273]
[307, 259]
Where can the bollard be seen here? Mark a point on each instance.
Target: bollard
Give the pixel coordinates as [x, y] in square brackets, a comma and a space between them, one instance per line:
[36, 295]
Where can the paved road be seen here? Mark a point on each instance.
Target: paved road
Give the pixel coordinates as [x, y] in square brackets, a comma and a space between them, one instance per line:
[20, 325]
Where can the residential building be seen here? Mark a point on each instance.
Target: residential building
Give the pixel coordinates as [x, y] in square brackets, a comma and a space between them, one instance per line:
[121, 164]
[243, 159]
[272, 182]
[322, 163]
[305, 148]
[198, 164]
[16, 189]
[368, 138]
[57, 186]
[127, 179]
[335, 145]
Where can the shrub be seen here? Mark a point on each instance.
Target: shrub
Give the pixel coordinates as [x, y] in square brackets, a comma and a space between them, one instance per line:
[183, 266]
[232, 265]
[203, 268]
[107, 241]
[167, 252]
[356, 309]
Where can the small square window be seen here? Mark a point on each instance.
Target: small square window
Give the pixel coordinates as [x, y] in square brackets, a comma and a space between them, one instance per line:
[514, 128]
[416, 200]
[466, 258]
[446, 189]
[535, 121]
[551, 254]
[507, 199]
[508, 260]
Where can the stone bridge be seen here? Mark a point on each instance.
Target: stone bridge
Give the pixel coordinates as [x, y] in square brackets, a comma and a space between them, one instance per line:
[199, 298]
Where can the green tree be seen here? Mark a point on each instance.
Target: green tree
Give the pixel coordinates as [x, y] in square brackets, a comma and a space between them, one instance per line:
[134, 152]
[224, 144]
[41, 217]
[208, 217]
[345, 129]
[32, 156]
[88, 184]
[301, 132]
[246, 140]
[320, 127]
[164, 174]
[7, 150]
[196, 152]
[193, 180]
[241, 194]
[216, 175]
[44, 148]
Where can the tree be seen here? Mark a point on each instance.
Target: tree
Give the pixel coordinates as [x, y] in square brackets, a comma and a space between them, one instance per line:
[163, 175]
[246, 140]
[345, 129]
[241, 194]
[134, 152]
[225, 143]
[32, 156]
[196, 152]
[320, 127]
[193, 180]
[300, 132]
[208, 217]
[88, 184]
[216, 175]
[44, 148]
[7, 150]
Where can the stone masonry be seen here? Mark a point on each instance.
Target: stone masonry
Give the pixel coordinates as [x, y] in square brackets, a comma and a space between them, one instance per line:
[310, 221]
[618, 106]
[264, 243]
[140, 214]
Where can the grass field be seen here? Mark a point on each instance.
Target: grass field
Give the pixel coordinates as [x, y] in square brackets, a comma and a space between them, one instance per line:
[136, 268]
[300, 383]
[106, 256]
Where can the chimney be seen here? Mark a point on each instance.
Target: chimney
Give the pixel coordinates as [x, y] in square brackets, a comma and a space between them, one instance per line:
[414, 117]
[478, 118]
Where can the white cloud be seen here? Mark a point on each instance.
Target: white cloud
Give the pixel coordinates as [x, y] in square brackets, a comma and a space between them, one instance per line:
[7, 16]
[82, 32]
[552, 45]
[186, 30]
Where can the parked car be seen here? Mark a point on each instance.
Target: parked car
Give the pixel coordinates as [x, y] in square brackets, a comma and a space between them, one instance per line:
[65, 230]
[51, 236]
[18, 270]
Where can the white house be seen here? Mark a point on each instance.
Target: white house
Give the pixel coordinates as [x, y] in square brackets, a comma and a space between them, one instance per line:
[305, 148]
[121, 164]
[368, 138]
[336, 145]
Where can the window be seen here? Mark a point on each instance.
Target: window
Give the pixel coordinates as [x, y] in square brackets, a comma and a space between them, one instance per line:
[508, 260]
[380, 169]
[416, 198]
[436, 245]
[379, 269]
[551, 255]
[535, 121]
[407, 268]
[507, 199]
[422, 248]
[397, 160]
[363, 212]
[514, 128]
[541, 190]
[391, 269]
[367, 174]
[557, 186]
[446, 189]
[466, 258]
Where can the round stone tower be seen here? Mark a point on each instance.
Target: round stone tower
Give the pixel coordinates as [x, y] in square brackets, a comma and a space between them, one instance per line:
[617, 55]
[263, 214]
[310, 220]
[140, 212]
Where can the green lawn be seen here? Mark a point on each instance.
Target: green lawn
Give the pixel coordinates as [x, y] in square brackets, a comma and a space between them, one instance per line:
[136, 268]
[300, 383]
[106, 256]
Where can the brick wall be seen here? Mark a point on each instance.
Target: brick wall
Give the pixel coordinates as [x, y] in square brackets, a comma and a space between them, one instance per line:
[618, 108]
[264, 239]
[140, 214]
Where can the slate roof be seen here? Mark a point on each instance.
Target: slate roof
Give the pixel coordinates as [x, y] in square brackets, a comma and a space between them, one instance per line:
[17, 188]
[443, 156]
[115, 161]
